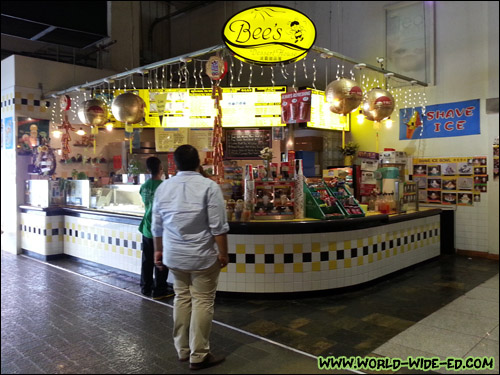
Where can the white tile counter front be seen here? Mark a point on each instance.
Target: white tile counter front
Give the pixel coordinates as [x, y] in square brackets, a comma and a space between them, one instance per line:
[325, 256]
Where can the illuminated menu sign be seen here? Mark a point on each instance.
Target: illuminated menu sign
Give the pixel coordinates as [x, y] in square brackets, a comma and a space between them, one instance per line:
[322, 117]
[201, 109]
[252, 107]
[194, 108]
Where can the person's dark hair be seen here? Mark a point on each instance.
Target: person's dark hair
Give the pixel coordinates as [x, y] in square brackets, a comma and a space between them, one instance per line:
[153, 164]
[186, 158]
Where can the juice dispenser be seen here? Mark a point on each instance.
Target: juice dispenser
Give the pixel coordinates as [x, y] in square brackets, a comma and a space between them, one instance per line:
[386, 178]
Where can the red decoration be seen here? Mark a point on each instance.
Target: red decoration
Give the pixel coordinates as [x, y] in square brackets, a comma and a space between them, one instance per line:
[66, 138]
[217, 135]
[65, 102]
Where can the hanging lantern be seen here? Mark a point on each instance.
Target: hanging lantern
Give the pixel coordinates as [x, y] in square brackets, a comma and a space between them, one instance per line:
[216, 68]
[128, 108]
[378, 104]
[344, 96]
[93, 112]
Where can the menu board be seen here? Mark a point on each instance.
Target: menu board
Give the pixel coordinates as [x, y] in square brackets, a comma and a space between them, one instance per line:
[322, 117]
[194, 108]
[246, 143]
[201, 139]
[451, 181]
[252, 107]
[167, 139]
[201, 109]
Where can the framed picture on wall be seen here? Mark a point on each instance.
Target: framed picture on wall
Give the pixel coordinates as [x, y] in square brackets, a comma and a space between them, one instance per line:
[410, 39]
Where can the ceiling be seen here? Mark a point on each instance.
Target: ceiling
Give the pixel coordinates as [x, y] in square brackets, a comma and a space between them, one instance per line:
[74, 32]
[48, 28]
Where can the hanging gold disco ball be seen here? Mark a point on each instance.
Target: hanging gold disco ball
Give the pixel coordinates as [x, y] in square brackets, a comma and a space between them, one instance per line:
[378, 104]
[93, 112]
[343, 95]
[128, 108]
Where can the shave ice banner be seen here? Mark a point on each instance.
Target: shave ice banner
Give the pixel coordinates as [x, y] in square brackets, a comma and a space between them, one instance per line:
[440, 120]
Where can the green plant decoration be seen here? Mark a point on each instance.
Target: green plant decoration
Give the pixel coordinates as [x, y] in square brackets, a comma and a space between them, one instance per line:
[350, 149]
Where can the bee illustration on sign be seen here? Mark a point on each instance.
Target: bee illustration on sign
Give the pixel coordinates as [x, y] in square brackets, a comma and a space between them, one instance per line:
[296, 30]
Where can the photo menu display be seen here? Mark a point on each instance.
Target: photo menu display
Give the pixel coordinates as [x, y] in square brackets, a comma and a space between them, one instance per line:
[451, 181]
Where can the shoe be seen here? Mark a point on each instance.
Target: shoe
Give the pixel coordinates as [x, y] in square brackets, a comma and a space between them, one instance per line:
[209, 361]
[146, 293]
[167, 294]
[183, 359]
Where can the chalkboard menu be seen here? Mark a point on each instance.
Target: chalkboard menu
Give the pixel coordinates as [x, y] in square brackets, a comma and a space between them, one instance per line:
[246, 143]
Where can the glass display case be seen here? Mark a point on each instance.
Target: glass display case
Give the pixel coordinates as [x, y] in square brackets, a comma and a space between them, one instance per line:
[118, 198]
[77, 193]
[406, 196]
[44, 193]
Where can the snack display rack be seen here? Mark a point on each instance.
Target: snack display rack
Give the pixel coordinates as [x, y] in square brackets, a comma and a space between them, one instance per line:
[346, 201]
[319, 201]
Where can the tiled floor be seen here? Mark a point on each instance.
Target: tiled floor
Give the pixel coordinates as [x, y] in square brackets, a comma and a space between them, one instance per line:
[466, 327]
[371, 320]
[54, 321]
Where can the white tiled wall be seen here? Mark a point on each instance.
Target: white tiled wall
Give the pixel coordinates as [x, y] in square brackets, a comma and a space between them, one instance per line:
[122, 255]
[33, 237]
[471, 226]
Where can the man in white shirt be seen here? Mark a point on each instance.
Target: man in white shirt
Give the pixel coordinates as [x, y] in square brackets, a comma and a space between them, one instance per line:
[189, 219]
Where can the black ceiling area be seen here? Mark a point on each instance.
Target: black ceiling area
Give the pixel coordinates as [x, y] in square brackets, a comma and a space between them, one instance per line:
[77, 24]
[55, 30]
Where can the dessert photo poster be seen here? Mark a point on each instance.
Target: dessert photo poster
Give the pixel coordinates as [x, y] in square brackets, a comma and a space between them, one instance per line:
[451, 181]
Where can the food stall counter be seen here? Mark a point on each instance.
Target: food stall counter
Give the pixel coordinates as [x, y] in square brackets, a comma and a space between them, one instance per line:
[265, 256]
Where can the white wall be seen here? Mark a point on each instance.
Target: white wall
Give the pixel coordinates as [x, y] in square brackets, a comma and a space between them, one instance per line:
[21, 78]
[8, 162]
[466, 43]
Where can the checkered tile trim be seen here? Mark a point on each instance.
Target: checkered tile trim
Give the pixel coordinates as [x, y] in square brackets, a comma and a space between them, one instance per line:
[99, 238]
[48, 234]
[25, 102]
[325, 256]
[77, 236]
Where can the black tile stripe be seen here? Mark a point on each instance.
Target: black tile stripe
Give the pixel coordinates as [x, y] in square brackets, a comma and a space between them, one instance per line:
[346, 253]
[40, 231]
[25, 101]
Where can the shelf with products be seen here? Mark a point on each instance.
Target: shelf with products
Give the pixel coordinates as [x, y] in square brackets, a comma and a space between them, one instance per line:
[348, 204]
[274, 200]
[232, 187]
[319, 201]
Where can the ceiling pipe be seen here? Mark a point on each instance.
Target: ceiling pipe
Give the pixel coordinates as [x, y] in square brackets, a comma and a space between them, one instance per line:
[325, 53]
[140, 70]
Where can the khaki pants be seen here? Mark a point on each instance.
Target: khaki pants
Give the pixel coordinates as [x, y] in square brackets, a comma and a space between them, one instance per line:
[194, 311]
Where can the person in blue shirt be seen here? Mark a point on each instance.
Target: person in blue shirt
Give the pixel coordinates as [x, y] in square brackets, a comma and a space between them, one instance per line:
[190, 238]
[157, 287]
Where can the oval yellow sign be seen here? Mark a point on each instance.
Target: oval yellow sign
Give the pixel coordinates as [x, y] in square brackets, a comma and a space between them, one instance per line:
[267, 35]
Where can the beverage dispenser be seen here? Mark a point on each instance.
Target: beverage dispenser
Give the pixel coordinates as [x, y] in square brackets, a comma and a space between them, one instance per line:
[386, 178]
